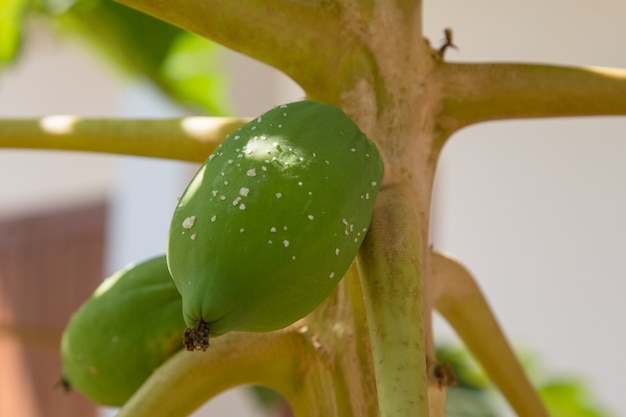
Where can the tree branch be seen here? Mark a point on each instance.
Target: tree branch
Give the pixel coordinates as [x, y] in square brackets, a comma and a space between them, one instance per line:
[301, 38]
[188, 139]
[474, 93]
[459, 299]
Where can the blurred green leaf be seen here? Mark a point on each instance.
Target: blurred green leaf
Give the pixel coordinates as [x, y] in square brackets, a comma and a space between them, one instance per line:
[266, 398]
[186, 67]
[569, 398]
[11, 22]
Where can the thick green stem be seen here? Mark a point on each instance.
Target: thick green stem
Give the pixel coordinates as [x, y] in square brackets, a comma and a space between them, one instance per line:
[461, 302]
[474, 93]
[187, 139]
[392, 280]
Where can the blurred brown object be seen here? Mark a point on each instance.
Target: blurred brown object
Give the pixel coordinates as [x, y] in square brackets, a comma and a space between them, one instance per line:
[49, 264]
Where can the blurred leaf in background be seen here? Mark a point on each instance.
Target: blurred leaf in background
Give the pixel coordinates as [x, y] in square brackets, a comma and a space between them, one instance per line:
[475, 395]
[185, 67]
[11, 22]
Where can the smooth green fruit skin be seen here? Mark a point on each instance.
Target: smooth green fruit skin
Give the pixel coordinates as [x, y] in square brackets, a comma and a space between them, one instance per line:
[273, 219]
[123, 332]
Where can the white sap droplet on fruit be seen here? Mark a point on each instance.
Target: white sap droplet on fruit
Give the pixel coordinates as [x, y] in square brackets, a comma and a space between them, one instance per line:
[193, 237]
[244, 191]
[374, 183]
[273, 230]
[188, 222]
[310, 216]
[214, 218]
[337, 251]
[242, 206]
[286, 243]
[279, 195]
[332, 275]
[251, 172]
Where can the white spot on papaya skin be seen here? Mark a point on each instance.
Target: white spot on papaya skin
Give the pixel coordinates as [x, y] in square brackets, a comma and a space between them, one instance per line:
[293, 257]
[242, 230]
[272, 230]
[310, 217]
[286, 243]
[332, 275]
[251, 172]
[279, 195]
[337, 251]
[213, 218]
[223, 197]
[193, 236]
[242, 206]
[269, 242]
[374, 183]
[189, 222]
[244, 191]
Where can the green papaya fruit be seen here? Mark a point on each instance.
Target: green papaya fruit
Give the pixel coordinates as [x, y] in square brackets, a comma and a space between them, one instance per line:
[129, 326]
[272, 220]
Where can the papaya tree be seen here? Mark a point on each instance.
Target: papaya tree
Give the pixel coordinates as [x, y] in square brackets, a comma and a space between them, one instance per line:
[368, 349]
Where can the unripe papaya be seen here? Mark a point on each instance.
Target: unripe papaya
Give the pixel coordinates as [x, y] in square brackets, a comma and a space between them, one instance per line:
[129, 326]
[272, 220]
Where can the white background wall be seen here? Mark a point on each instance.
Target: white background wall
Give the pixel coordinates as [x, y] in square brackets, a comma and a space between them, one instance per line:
[537, 209]
[534, 208]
